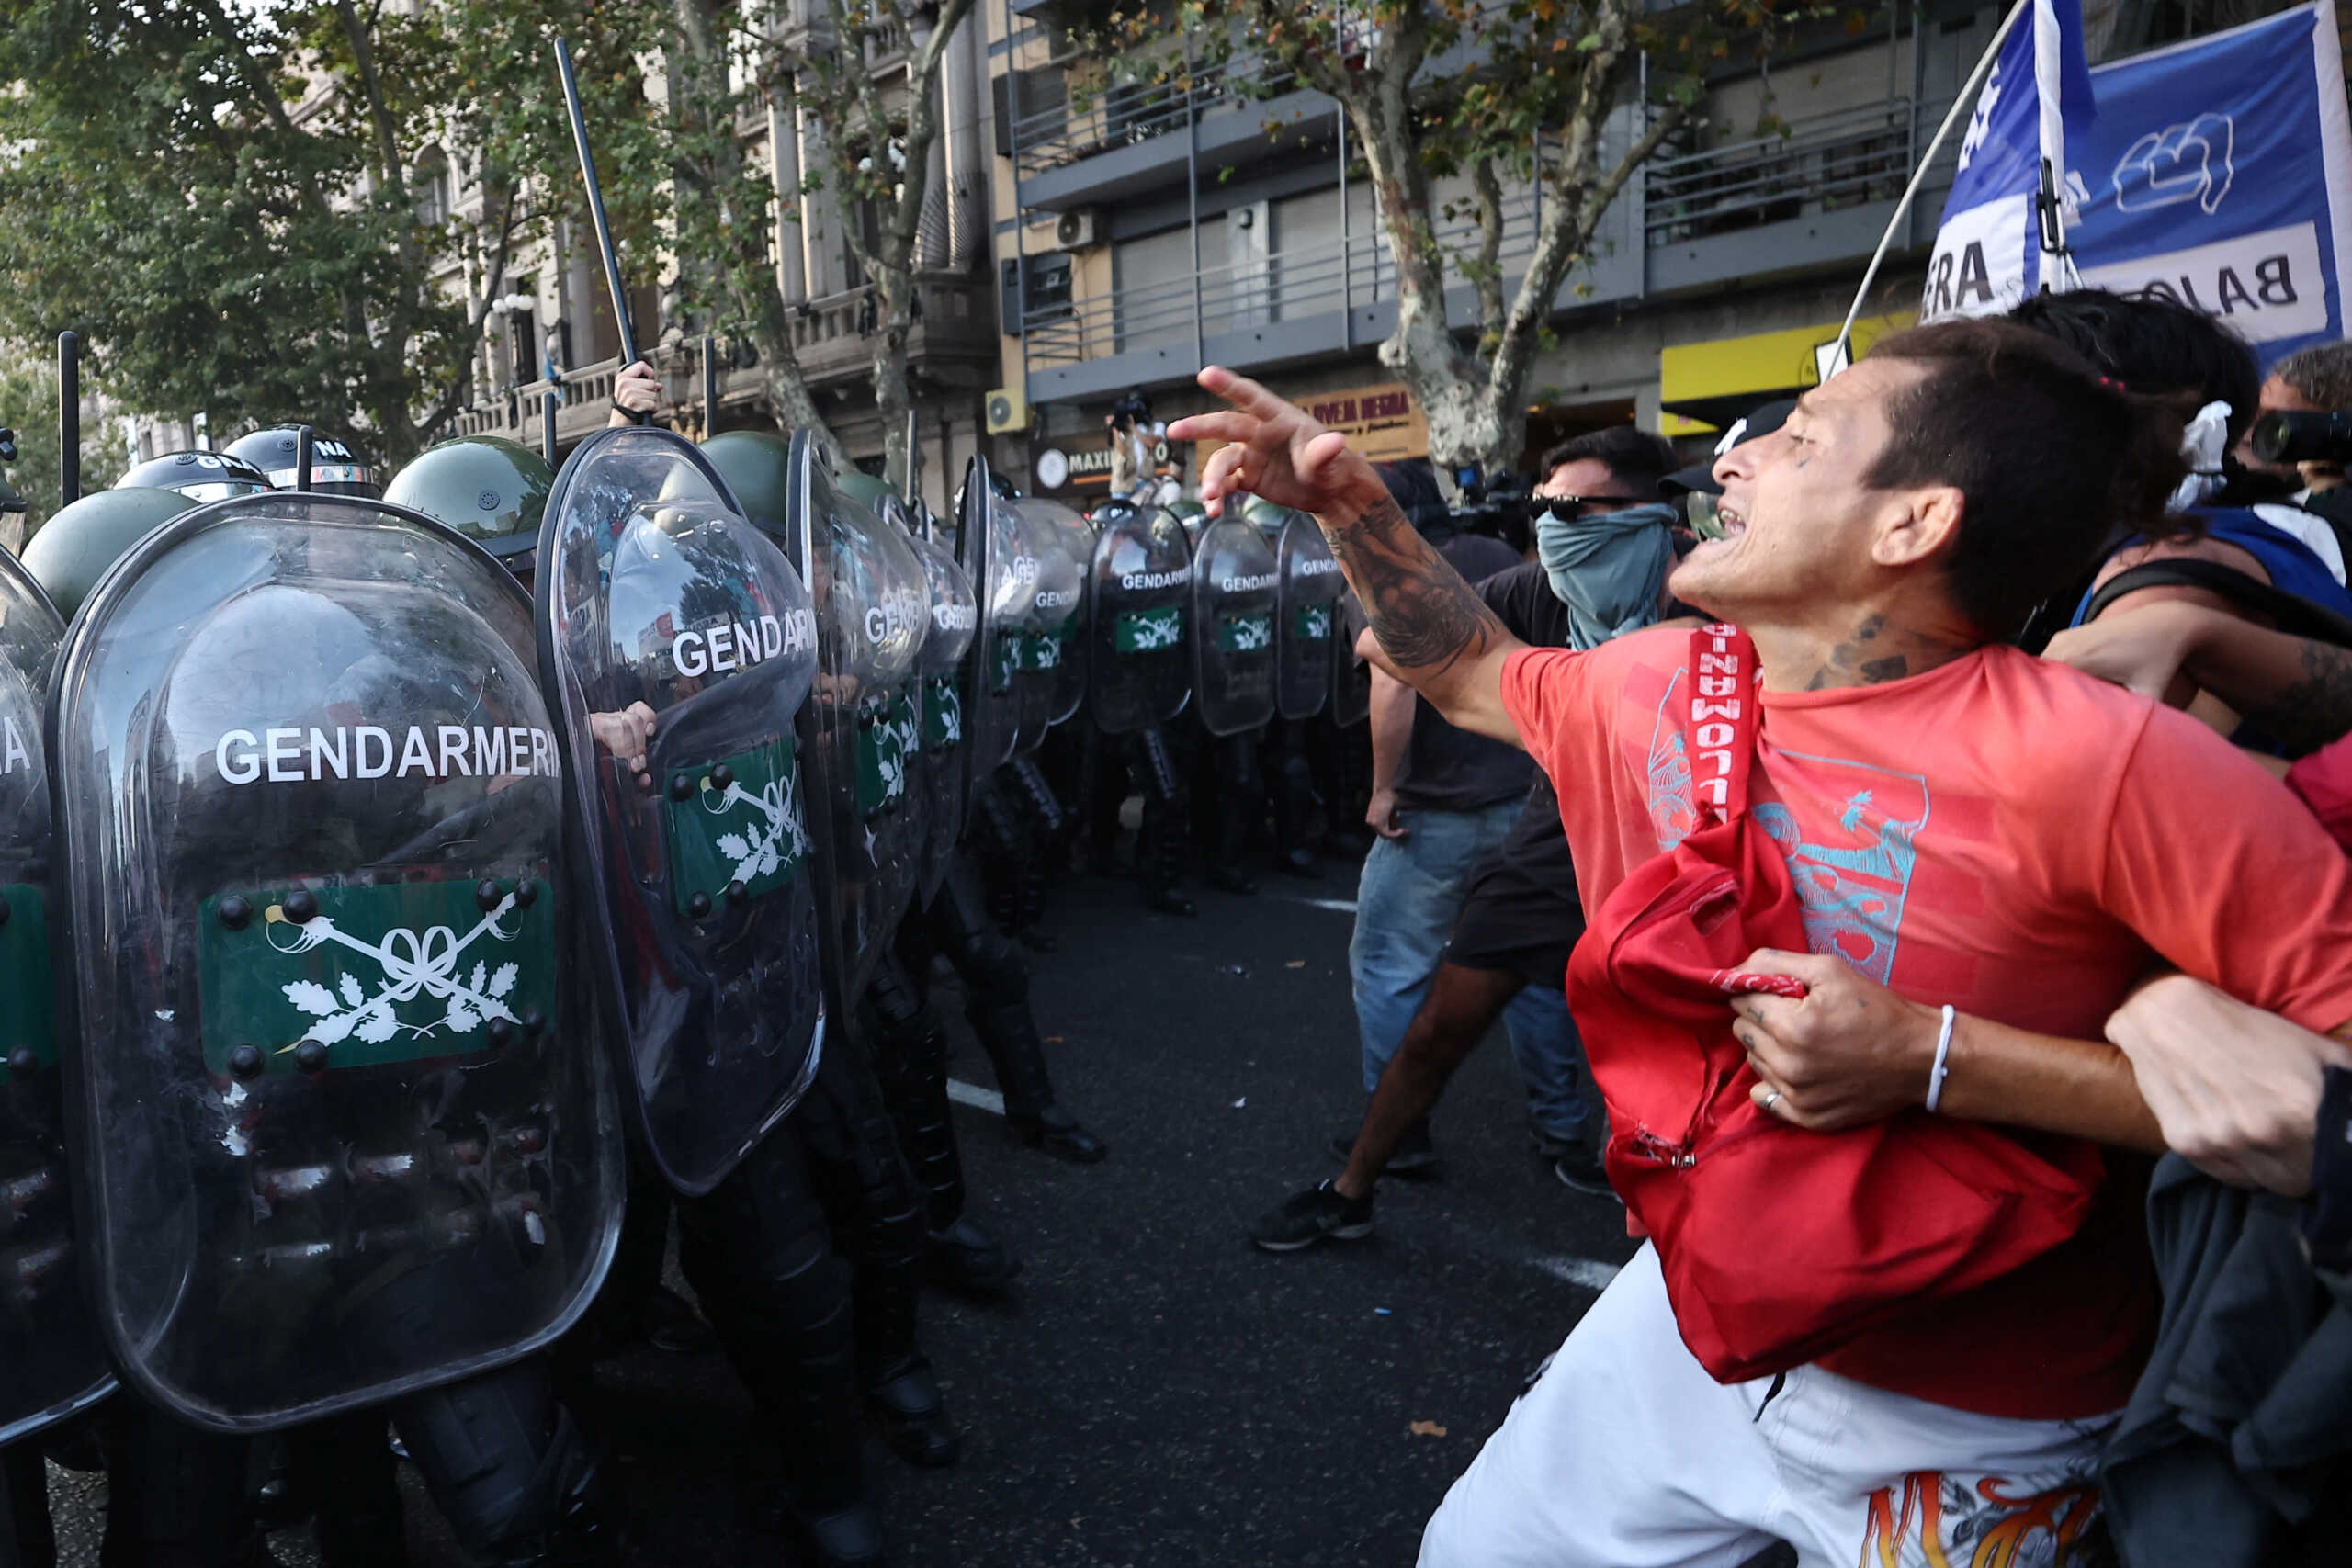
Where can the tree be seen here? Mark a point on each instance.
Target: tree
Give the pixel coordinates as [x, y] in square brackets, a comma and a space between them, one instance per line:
[1503, 93]
[245, 210]
[876, 127]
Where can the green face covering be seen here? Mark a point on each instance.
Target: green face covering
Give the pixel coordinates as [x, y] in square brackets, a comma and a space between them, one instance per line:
[1608, 569]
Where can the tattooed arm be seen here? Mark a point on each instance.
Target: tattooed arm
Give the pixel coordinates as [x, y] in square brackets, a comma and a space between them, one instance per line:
[1432, 627]
[2297, 690]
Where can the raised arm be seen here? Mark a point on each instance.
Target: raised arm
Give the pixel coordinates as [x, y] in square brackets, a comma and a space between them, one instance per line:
[2297, 690]
[1435, 631]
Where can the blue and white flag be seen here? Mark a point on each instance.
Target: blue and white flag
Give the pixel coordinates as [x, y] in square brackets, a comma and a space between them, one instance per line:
[2218, 171]
[1989, 252]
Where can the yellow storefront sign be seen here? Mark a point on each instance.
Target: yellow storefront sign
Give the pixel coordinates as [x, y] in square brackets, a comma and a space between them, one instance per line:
[1717, 381]
[1379, 421]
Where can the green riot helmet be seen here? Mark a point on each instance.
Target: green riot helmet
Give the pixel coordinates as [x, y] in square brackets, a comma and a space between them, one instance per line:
[489, 489]
[73, 549]
[200, 476]
[335, 468]
[1266, 517]
[868, 491]
[756, 464]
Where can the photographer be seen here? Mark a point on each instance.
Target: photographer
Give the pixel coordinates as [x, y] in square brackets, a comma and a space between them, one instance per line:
[2311, 380]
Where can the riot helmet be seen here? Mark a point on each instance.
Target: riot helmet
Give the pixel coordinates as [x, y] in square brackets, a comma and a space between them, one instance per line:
[73, 549]
[490, 490]
[335, 468]
[756, 466]
[200, 476]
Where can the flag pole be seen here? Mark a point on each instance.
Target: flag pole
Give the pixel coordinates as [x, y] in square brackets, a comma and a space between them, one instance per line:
[1961, 104]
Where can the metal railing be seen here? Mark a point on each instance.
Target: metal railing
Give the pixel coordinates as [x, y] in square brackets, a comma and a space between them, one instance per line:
[1260, 291]
[1821, 164]
[1127, 113]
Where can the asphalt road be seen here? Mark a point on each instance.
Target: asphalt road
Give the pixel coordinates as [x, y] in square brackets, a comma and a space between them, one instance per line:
[1156, 1392]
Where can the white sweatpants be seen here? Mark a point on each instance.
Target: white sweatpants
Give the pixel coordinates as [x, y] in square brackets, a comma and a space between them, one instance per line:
[1626, 1454]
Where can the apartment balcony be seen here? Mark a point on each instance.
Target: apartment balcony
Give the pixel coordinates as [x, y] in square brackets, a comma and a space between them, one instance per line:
[1129, 138]
[954, 340]
[1814, 197]
[586, 401]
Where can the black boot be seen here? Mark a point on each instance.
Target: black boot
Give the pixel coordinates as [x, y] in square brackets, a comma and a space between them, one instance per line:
[962, 1256]
[905, 1397]
[1057, 1132]
[1160, 838]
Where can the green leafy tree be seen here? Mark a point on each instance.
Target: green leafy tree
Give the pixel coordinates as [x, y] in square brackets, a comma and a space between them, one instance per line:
[245, 210]
[28, 407]
[1504, 94]
[866, 73]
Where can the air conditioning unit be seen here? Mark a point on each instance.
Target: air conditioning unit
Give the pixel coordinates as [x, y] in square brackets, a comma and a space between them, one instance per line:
[1008, 411]
[1079, 229]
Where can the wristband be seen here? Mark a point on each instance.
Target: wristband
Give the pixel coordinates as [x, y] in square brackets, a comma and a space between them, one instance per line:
[1944, 1054]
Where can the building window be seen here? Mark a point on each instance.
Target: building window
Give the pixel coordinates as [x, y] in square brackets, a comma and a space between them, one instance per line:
[1049, 289]
[430, 191]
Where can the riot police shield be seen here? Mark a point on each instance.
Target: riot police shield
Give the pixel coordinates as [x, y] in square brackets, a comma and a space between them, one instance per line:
[335, 1108]
[872, 610]
[946, 760]
[993, 548]
[1351, 676]
[1053, 656]
[51, 1360]
[1236, 587]
[1139, 588]
[1307, 624]
[677, 646]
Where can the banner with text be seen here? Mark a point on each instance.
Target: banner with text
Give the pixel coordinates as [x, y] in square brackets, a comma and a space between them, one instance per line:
[2216, 172]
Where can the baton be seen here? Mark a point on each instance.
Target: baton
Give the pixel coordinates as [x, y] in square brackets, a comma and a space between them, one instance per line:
[549, 403]
[69, 418]
[596, 214]
[305, 446]
[709, 387]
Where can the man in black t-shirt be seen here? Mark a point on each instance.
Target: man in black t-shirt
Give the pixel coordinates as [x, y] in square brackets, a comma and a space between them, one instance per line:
[1606, 544]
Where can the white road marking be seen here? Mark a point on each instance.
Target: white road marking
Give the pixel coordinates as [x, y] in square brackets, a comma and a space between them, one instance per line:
[1583, 1272]
[1337, 906]
[980, 1099]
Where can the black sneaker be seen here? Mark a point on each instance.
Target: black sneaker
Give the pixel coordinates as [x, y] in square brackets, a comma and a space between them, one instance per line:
[1307, 1217]
[1415, 1158]
[1579, 1169]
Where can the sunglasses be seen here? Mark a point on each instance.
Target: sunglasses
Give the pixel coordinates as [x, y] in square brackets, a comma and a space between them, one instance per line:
[1568, 508]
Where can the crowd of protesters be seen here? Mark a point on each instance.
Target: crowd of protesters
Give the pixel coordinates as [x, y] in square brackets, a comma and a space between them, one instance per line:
[1961, 948]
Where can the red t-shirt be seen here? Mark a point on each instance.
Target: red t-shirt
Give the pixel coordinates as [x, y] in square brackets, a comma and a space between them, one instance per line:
[2013, 838]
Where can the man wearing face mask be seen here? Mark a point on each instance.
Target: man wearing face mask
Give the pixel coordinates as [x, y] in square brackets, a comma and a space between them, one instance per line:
[1603, 545]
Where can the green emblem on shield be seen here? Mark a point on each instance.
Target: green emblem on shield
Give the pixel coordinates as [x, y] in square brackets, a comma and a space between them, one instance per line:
[742, 823]
[1311, 623]
[394, 973]
[1245, 634]
[1005, 661]
[27, 1023]
[1148, 631]
[942, 714]
[886, 738]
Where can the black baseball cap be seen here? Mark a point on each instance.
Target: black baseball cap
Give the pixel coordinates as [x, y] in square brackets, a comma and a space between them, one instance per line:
[1765, 419]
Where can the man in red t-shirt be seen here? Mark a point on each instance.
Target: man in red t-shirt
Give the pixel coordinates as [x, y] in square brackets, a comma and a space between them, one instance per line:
[1968, 828]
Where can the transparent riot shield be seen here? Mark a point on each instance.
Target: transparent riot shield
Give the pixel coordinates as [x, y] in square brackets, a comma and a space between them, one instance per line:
[993, 548]
[337, 1103]
[1236, 590]
[1307, 624]
[946, 760]
[678, 646]
[1139, 588]
[873, 613]
[1053, 658]
[1351, 676]
[52, 1361]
